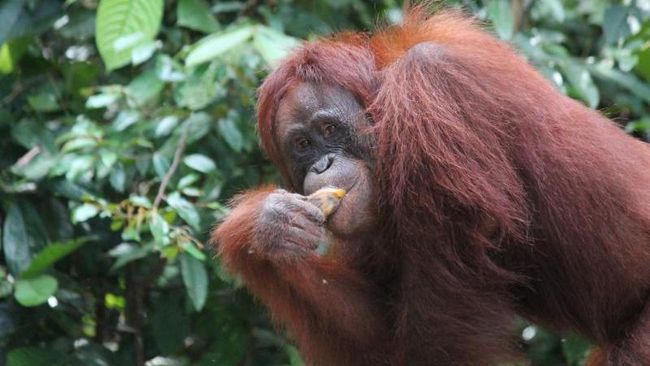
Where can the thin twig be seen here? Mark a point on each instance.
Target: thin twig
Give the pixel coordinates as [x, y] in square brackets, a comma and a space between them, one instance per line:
[17, 89]
[172, 168]
[28, 157]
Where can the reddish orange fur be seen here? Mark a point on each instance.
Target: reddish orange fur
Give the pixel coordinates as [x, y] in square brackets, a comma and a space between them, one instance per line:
[499, 196]
[327, 305]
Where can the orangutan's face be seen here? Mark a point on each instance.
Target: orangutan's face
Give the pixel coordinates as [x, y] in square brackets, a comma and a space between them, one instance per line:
[318, 134]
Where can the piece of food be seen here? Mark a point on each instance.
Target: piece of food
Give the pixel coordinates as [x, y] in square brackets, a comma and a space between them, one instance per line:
[327, 199]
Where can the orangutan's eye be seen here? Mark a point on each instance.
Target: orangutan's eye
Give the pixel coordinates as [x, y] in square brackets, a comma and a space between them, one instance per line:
[302, 143]
[328, 129]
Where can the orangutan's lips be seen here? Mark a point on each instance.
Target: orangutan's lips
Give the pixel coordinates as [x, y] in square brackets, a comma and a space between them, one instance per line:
[354, 184]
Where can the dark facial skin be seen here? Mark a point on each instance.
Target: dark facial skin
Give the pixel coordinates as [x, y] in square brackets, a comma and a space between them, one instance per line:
[318, 133]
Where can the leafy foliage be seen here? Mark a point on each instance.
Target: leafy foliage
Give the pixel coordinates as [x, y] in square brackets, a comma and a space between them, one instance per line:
[125, 126]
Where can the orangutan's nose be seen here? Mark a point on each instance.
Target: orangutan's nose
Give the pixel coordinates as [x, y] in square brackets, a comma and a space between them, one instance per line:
[322, 164]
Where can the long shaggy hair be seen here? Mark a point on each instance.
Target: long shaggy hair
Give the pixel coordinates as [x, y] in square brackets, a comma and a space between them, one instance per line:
[497, 193]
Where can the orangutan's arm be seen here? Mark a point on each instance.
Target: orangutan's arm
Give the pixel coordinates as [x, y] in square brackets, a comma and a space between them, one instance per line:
[329, 308]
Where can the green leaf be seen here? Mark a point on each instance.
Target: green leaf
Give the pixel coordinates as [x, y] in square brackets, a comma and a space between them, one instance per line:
[127, 253]
[166, 125]
[273, 45]
[196, 14]
[185, 209]
[30, 133]
[10, 54]
[198, 125]
[84, 212]
[101, 100]
[198, 90]
[36, 168]
[500, 12]
[643, 64]
[52, 254]
[556, 8]
[628, 81]
[125, 118]
[581, 82]
[35, 291]
[33, 356]
[188, 180]
[143, 52]
[118, 178]
[161, 163]
[123, 25]
[192, 250]
[145, 88]
[43, 102]
[615, 25]
[200, 162]
[217, 44]
[23, 236]
[159, 229]
[10, 11]
[6, 61]
[228, 129]
[79, 143]
[195, 278]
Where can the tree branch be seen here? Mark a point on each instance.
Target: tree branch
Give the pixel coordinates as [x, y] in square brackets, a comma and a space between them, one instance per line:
[172, 168]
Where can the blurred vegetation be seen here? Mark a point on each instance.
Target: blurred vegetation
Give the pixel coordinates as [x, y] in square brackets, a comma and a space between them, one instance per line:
[125, 126]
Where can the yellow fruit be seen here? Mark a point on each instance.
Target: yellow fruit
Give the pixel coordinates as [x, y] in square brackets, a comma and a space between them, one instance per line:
[327, 199]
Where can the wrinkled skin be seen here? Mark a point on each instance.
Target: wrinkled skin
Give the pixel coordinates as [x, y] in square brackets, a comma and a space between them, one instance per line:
[318, 132]
[288, 226]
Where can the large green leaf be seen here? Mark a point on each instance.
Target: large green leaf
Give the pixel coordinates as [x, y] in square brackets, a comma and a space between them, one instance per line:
[124, 25]
[35, 291]
[195, 278]
[23, 236]
[50, 255]
[217, 44]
